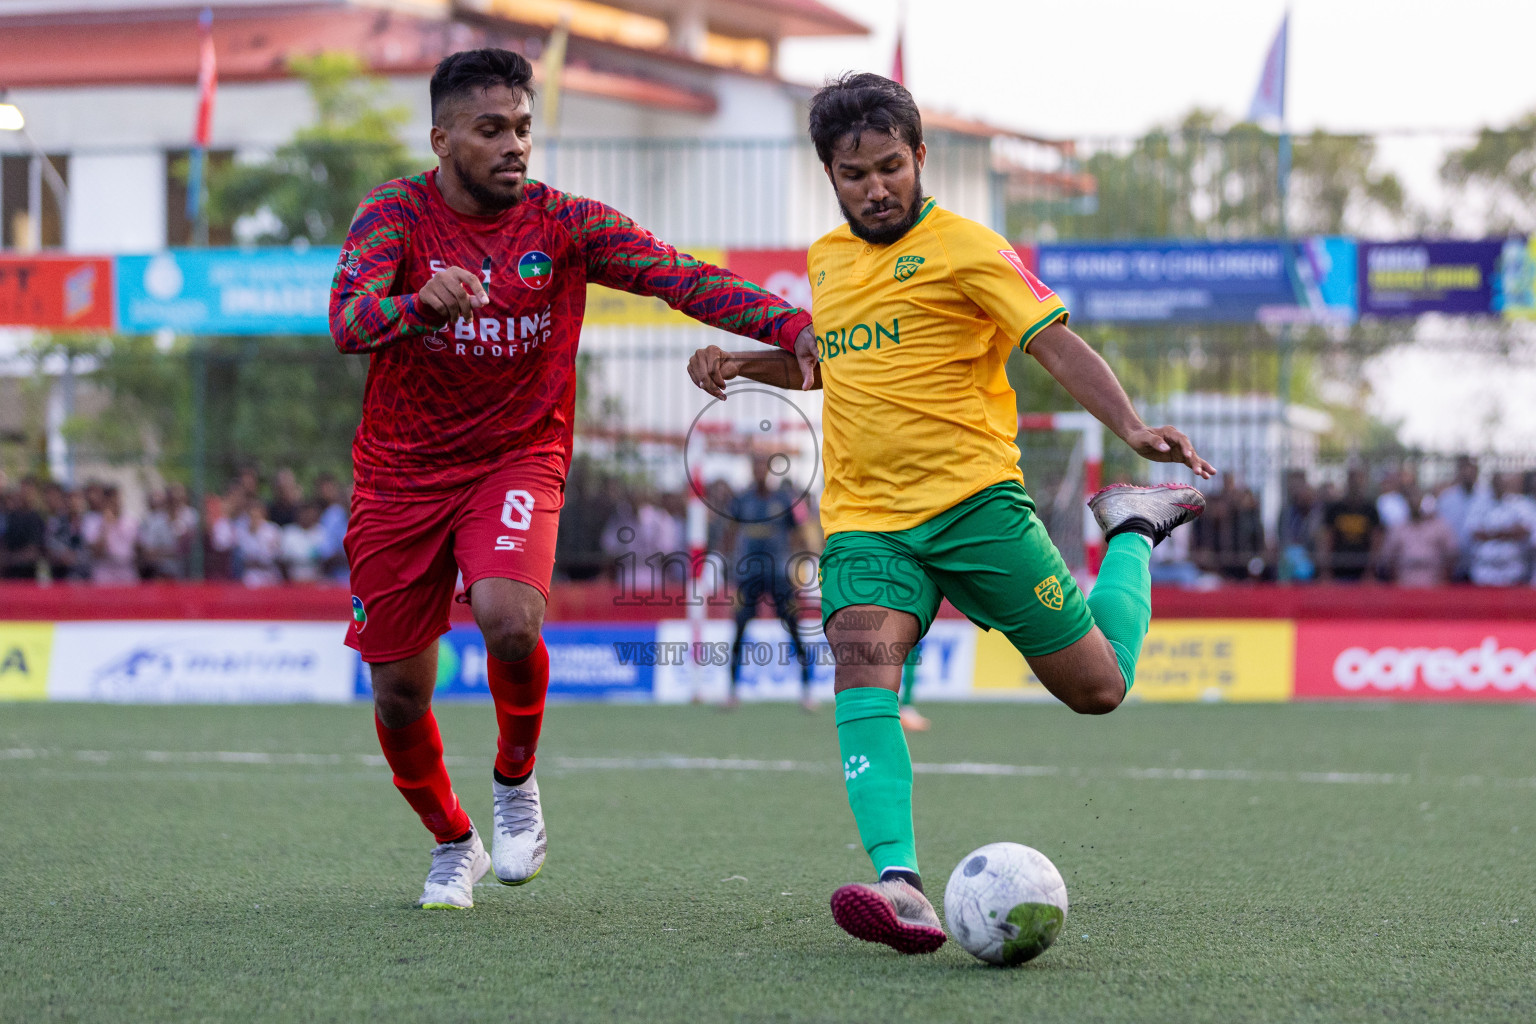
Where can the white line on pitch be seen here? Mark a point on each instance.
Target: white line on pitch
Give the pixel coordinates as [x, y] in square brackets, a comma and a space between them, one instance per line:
[667, 762]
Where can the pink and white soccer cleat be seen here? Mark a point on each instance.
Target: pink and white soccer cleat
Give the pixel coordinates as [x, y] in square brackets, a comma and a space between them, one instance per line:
[891, 912]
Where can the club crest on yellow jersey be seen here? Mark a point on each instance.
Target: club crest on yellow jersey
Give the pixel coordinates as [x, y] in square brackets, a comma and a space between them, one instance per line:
[906, 266]
[1050, 593]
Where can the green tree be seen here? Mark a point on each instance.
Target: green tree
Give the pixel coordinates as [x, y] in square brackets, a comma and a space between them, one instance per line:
[1205, 177]
[311, 186]
[1499, 169]
[274, 401]
[1336, 189]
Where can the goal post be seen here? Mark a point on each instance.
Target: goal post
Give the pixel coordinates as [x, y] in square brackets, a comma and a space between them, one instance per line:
[1091, 443]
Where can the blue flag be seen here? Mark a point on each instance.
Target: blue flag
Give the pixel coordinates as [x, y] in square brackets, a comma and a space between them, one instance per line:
[1269, 97]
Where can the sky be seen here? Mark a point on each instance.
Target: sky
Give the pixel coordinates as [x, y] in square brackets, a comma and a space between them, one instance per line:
[1429, 72]
[1115, 67]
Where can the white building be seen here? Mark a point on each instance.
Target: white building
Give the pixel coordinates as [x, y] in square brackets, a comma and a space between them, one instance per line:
[670, 109]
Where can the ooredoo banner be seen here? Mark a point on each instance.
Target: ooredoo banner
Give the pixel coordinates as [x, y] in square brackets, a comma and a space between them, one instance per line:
[1390, 660]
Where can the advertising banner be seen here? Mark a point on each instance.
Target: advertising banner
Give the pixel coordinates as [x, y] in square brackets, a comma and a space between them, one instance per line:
[1393, 660]
[1175, 281]
[597, 661]
[1181, 660]
[608, 307]
[781, 271]
[56, 292]
[200, 662]
[1404, 279]
[226, 291]
[1514, 291]
[769, 671]
[24, 652]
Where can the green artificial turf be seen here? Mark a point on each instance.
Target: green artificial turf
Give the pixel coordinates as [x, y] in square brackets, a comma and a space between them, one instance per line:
[1217, 870]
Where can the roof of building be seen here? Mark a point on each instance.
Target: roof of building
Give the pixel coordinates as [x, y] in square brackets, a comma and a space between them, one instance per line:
[256, 44]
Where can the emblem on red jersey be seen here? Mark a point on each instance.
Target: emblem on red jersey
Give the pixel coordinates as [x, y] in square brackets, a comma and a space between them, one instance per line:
[359, 614]
[1036, 286]
[535, 268]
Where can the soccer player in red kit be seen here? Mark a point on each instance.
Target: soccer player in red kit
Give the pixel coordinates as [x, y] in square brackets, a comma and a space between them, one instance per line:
[466, 287]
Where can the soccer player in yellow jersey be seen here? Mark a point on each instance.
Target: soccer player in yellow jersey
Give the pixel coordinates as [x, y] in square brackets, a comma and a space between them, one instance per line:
[915, 312]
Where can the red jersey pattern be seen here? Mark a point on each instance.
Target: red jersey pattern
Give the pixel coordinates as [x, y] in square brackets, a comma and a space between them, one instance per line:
[444, 404]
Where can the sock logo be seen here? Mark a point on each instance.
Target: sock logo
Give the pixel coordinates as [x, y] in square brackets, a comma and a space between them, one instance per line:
[855, 766]
[1050, 593]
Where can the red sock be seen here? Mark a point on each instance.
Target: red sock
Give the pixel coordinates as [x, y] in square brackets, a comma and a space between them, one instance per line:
[415, 754]
[518, 687]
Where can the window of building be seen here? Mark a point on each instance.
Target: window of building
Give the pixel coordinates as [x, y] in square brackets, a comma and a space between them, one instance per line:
[17, 196]
[179, 229]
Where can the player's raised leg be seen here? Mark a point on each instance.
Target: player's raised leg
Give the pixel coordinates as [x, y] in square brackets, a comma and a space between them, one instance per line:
[870, 644]
[413, 748]
[1094, 674]
[510, 615]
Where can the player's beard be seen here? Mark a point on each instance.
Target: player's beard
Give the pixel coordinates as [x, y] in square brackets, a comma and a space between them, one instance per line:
[486, 196]
[890, 232]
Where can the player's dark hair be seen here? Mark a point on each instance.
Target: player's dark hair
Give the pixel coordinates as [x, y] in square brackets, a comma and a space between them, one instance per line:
[857, 103]
[477, 70]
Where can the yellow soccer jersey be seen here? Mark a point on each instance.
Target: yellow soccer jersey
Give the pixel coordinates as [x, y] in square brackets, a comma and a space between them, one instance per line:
[912, 338]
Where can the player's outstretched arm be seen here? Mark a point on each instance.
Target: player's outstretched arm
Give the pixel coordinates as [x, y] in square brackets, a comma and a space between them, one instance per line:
[711, 367]
[620, 254]
[1088, 378]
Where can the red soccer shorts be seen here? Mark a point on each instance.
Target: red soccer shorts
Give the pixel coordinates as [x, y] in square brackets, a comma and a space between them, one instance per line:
[407, 555]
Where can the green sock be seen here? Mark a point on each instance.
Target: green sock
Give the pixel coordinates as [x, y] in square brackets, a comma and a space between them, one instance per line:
[1121, 601]
[908, 676]
[878, 771]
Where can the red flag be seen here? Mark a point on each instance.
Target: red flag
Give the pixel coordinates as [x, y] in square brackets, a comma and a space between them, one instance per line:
[207, 79]
[898, 65]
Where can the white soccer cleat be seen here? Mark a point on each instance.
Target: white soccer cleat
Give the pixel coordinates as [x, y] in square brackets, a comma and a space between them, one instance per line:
[517, 852]
[456, 867]
[1159, 508]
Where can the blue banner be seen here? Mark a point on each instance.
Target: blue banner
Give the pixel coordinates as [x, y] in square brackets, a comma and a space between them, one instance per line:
[226, 291]
[587, 661]
[1415, 276]
[1204, 282]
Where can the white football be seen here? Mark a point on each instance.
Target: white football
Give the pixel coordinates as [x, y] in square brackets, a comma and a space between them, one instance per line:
[1005, 903]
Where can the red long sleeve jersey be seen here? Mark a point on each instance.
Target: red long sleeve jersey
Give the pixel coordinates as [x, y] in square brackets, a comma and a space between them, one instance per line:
[444, 403]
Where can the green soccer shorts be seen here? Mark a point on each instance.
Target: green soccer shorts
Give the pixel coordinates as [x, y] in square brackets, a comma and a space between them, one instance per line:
[989, 555]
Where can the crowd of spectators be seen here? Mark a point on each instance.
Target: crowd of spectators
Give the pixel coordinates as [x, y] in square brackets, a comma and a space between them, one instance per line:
[250, 533]
[1480, 529]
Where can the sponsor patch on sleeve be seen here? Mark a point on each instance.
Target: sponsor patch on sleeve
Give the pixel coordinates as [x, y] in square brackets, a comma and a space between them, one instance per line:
[1036, 286]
